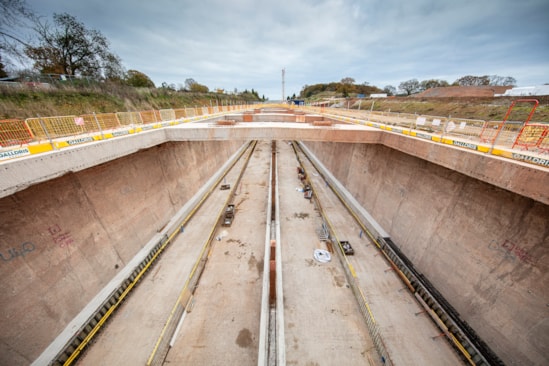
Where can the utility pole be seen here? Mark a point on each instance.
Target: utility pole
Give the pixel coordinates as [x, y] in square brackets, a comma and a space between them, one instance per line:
[283, 72]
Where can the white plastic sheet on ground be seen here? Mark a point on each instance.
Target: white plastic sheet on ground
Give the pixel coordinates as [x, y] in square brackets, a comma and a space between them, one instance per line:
[321, 255]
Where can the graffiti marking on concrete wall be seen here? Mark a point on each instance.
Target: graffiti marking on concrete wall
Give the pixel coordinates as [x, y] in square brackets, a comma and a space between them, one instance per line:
[21, 251]
[512, 251]
[63, 239]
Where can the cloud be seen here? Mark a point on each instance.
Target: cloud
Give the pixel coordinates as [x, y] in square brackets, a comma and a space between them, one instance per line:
[244, 44]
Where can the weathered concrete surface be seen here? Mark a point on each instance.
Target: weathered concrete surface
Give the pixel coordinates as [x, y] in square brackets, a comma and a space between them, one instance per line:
[518, 177]
[21, 173]
[486, 249]
[62, 240]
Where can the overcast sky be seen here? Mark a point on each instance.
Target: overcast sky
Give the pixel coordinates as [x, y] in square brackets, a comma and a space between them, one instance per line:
[245, 44]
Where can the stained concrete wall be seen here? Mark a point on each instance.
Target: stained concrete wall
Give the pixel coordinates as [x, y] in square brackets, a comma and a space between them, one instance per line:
[486, 249]
[62, 240]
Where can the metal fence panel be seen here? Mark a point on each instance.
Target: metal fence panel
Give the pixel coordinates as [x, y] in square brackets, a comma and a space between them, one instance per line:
[129, 118]
[167, 114]
[150, 116]
[14, 132]
[53, 127]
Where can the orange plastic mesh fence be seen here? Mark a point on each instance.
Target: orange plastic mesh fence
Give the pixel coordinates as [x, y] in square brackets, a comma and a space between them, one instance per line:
[14, 132]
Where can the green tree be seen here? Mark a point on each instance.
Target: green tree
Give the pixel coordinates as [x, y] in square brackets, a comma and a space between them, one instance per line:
[68, 47]
[192, 86]
[199, 88]
[138, 79]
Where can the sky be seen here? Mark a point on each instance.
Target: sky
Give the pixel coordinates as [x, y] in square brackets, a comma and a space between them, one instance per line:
[245, 44]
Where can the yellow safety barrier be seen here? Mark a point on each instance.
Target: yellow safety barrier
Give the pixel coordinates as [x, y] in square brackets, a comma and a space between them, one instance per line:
[531, 135]
[54, 127]
[129, 118]
[63, 131]
[150, 116]
[180, 113]
[167, 114]
[465, 133]
[487, 137]
[543, 143]
[190, 112]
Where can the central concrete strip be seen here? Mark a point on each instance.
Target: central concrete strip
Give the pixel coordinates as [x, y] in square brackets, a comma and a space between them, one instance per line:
[265, 316]
[89, 310]
[224, 324]
[280, 333]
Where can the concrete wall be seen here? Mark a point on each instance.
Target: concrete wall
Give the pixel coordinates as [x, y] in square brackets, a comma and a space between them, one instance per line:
[486, 249]
[62, 240]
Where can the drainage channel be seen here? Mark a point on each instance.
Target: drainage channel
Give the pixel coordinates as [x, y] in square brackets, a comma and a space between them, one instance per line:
[271, 337]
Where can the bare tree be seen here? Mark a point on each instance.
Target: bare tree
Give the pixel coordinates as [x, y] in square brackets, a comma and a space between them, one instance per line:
[509, 81]
[485, 80]
[409, 87]
[16, 18]
[471, 80]
[433, 83]
[390, 90]
[190, 82]
[502, 80]
[348, 80]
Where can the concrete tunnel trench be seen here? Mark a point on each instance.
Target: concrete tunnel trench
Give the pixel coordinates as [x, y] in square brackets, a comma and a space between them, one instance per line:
[467, 236]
